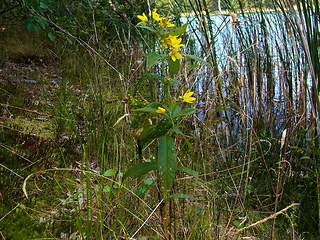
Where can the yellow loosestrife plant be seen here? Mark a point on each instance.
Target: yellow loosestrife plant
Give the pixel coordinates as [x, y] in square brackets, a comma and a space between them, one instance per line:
[168, 110]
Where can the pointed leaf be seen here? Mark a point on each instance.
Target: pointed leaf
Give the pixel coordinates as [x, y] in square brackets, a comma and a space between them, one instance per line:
[174, 81]
[233, 104]
[167, 161]
[146, 109]
[178, 31]
[140, 169]
[109, 173]
[52, 37]
[177, 130]
[154, 131]
[152, 59]
[69, 40]
[141, 25]
[174, 67]
[176, 110]
[185, 111]
[193, 67]
[106, 188]
[197, 59]
[148, 181]
[44, 6]
[188, 171]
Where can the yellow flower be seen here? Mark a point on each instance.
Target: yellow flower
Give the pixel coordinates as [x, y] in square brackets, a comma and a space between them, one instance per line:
[174, 54]
[175, 43]
[155, 15]
[167, 41]
[143, 19]
[161, 110]
[187, 97]
[165, 23]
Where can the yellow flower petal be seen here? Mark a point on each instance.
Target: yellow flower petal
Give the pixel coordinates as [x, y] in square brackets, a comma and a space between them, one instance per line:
[143, 19]
[165, 23]
[187, 97]
[155, 15]
[174, 54]
[160, 110]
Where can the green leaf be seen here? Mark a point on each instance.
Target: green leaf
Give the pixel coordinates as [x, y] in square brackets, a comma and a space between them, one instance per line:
[177, 130]
[148, 181]
[197, 59]
[109, 173]
[233, 104]
[185, 111]
[51, 36]
[140, 169]
[188, 171]
[44, 6]
[151, 132]
[69, 41]
[193, 67]
[181, 195]
[106, 188]
[236, 223]
[141, 25]
[33, 27]
[176, 110]
[221, 107]
[41, 21]
[174, 81]
[174, 67]
[177, 31]
[167, 161]
[152, 59]
[146, 109]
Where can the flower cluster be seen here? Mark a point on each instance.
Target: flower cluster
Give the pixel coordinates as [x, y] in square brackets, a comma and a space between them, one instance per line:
[166, 40]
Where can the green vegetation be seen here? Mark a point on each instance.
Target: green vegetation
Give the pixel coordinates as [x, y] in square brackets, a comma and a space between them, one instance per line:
[117, 124]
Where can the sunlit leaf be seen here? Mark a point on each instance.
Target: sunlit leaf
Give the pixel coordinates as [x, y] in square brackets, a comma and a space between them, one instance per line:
[146, 109]
[186, 111]
[178, 31]
[106, 188]
[148, 181]
[109, 173]
[141, 25]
